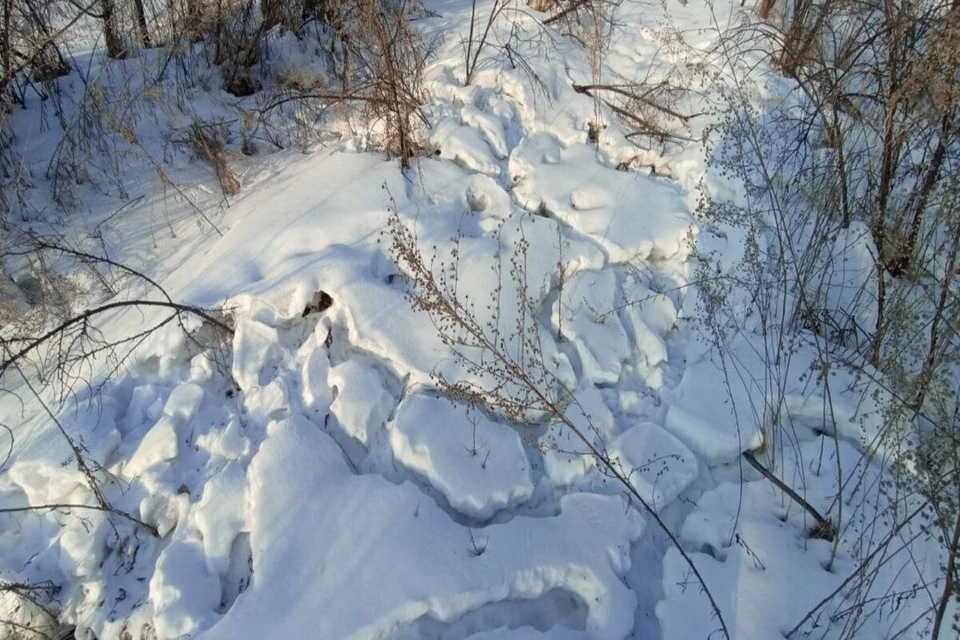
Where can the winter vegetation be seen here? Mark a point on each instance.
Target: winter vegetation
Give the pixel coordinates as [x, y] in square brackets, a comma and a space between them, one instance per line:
[490, 319]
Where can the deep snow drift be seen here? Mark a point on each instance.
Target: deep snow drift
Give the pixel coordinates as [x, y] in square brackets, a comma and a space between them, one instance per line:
[308, 480]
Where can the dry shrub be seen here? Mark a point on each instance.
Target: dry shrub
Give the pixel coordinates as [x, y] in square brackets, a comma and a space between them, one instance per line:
[393, 58]
[208, 143]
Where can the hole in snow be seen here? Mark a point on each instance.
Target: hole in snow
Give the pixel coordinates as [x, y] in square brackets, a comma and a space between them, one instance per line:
[709, 550]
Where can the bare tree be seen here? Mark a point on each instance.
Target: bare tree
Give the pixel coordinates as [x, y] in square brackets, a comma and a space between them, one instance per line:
[141, 16]
[866, 151]
[111, 29]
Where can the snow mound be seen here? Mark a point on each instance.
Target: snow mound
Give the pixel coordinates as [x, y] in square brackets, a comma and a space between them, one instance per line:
[567, 459]
[529, 633]
[477, 464]
[185, 594]
[221, 515]
[380, 321]
[184, 402]
[599, 337]
[629, 215]
[315, 371]
[722, 405]
[466, 146]
[269, 402]
[716, 441]
[337, 555]
[647, 317]
[255, 353]
[362, 403]
[45, 483]
[658, 465]
[719, 421]
[159, 445]
[225, 444]
[752, 561]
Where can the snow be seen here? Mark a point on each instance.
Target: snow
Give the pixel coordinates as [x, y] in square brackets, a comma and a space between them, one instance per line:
[360, 527]
[648, 318]
[466, 146]
[317, 395]
[658, 465]
[600, 339]
[477, 464]
[254, 347]
[221, 514]
[752, 546]
[567, 459]
[227, 443]
[42, 483]
[630, 216]
[309, 478]
[184, 402]
[362, 404]
[183, 591]
[159, 445]
[845, 283]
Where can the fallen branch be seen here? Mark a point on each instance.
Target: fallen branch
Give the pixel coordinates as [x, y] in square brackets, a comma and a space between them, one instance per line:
[573, 8]
[825, 529]
[91, 507]
[639, 97]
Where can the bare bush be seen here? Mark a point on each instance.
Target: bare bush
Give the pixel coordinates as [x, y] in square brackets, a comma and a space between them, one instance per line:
[207, 142]
[479, 36]
[506, 371]
[391, 59]
[851, 242]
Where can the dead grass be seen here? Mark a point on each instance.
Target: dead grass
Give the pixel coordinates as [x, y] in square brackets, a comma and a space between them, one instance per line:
[207, 142]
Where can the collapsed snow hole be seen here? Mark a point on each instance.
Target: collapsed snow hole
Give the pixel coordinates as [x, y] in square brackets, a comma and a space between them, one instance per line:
[320, 302]
[558, 606]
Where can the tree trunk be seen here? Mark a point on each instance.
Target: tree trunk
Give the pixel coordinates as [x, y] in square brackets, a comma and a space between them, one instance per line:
[6, 62]
[790, 58]
[195, 19]
[934, 357]
[115, 48]
[47, 62]
[272, 13]
[929, 182]
[142, 23]
[766, 7]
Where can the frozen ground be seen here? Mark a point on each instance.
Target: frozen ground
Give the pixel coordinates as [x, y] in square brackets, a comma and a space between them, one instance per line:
[308, 479]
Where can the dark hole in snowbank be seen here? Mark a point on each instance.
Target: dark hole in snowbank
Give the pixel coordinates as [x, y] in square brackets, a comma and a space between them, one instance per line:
[320, 302]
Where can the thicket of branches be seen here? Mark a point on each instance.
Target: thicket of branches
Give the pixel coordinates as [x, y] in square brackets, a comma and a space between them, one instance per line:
[849, 207]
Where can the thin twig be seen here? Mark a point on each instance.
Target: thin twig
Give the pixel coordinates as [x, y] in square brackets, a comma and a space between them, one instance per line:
[86, 315]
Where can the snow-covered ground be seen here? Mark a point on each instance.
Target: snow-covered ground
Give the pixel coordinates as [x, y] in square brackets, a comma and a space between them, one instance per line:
[309, 479]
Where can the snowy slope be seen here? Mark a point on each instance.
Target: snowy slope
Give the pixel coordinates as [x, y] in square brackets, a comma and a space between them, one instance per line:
[308, 479]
